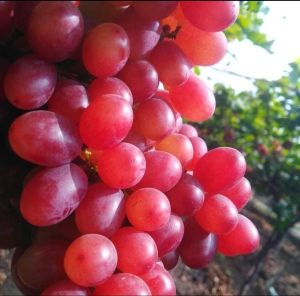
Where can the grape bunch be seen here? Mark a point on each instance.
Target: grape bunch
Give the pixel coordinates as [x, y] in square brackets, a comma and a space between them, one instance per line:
[97, 105]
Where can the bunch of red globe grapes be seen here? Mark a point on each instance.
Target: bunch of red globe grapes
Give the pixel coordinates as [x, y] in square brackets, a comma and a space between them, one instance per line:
[121, 187]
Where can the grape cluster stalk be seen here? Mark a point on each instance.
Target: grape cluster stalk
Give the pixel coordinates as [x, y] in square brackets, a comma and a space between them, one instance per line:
[108, 182]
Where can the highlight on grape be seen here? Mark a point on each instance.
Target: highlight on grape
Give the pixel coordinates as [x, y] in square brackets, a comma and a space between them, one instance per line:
[118, 184]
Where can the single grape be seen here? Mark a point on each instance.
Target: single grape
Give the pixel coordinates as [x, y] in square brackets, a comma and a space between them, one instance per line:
[29, 82]
[52, 194]
[148, 209]
[188, 130]
[102, 210]
[170, 260]
[105, 50]
[90, 260]
[55, 30]
[199, 148]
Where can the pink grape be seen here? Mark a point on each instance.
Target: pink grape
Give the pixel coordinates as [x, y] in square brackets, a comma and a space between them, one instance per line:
[188, 130]
[109, 85]
[142, 79]
[102, 210]
[219, 169]
[186, 196]
[148, 209]
[154, 119]
[244, 239]
[122, 284]
[69, 99]
[29, 82]
[105, 122]
[198, 247]
[137, 251]
[105, 50]
[90, 260]
[193, 99]
[218, 214]
[122, 166]
[199, 148]
[55, 30]
[211, 16]
[239, 193]
[168, 238]
[44, 138]
[155, 177]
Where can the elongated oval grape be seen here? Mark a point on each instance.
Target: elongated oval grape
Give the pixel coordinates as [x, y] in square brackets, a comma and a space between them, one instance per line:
[178, 145]
[142, 34]
[148, 209]
[29, 82]
[154, 119]
[155, 177]
[244, 239]
[186, 196]
[69, 99]
[102, 210]
[90, 260]
[122, 166]
[44, 138]
[52, 194]
[219, 169]
[165, 56]
[159, 281]
[168, 238]
[211, 16]
[142, 79]
[239, 193]
[106, 122]
[194, 99]
[109, 85]
[218, 214]
[105, 50]
[65, 288]
[137, 251]
[42, 264]
[198, 247]
[154, 10]
[122, 284]
[55, 30]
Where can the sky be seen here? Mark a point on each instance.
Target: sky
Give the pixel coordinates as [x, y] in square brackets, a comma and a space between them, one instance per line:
[282, 24]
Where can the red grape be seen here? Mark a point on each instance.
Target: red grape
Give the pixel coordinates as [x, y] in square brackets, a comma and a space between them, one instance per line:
[109, 85]
[55, 30]
[159, 281]
[217, 215]
[69, 99]
[244, 239]
[90, 260]
[219, 169]
[239, 193]
[105, 122]
[102, 210]
[105, 50]
[6, 17]
[200, 148]
[44, 138]
[137, 251]
[154, 119]
[186, 196]
[170, 260]
[168, 238]
[198, 248]
[122, 284]
[122, 166]
[194, 99]
[148, 209]
[65, 288]
[52, 194]
[29, 82]
[211, 16]
[161, 179]
[142, 79]
[23, 10]
[188, 130]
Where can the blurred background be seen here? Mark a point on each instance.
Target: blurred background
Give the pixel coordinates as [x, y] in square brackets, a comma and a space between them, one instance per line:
[257, 88]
